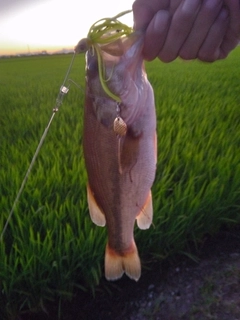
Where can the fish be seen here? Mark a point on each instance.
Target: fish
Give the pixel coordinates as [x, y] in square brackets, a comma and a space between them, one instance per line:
[120, 148]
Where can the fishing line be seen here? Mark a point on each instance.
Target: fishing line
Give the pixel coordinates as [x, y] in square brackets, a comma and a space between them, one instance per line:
[76, 84]
[62, 92]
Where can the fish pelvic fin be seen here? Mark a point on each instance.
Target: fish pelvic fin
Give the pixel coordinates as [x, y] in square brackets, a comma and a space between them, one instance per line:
[116, 264]
[96, 214]
[144, 219]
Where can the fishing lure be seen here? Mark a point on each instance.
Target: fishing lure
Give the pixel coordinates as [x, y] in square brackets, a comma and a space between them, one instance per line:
[103, 32]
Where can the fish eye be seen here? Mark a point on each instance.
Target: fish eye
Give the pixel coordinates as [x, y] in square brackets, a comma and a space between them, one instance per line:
[82, 46]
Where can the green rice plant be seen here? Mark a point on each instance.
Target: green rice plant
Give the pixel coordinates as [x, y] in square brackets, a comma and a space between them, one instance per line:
[197, 184]
[51, 249]
[43, 257]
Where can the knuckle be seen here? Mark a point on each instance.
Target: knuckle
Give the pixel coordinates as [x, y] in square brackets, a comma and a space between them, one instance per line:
[187, 55]
[166, 56]
[207, 56]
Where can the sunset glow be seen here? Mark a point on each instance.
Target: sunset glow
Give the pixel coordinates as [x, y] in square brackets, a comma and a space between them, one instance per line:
[32, 26]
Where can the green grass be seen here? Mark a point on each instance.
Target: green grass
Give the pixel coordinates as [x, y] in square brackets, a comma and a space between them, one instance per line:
[51, 248]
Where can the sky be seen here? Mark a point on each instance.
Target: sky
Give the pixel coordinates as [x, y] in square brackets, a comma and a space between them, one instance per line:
[28, 26]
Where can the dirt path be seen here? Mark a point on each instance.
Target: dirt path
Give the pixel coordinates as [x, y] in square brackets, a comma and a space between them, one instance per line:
[207, 290]
[182, 290]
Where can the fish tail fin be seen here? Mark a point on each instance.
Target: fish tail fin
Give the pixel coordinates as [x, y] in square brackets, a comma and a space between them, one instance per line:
[116, 264]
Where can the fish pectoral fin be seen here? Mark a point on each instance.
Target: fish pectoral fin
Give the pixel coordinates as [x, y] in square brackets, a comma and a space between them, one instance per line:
[144, 219]
[96, 214]
[116, 264]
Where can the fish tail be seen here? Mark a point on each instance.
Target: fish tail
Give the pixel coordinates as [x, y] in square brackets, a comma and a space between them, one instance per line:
[116, 264]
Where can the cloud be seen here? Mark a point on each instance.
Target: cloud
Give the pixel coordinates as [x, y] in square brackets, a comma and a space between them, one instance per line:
[11, 6]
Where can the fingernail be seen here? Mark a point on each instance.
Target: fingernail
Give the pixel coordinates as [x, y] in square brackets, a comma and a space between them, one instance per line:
[212, 4]
[190, 6]
[224, 14]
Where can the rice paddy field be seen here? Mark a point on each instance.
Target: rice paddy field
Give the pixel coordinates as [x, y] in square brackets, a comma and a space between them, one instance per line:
[51, 249]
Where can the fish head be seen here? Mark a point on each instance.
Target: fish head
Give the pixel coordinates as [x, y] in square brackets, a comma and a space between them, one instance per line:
[123, 72]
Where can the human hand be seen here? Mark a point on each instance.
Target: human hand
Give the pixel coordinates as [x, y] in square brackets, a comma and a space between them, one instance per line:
[190, 29]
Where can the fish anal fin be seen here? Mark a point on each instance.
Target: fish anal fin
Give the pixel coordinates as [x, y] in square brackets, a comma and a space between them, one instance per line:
[144, 219]
[116, 264]
[95, 212]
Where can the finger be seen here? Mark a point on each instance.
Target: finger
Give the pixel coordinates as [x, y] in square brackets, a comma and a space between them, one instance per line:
[210, 49]
[144, 11]
[174, 4]
[204, 20]
[232, 36]
[179, 29]
[155, 34]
